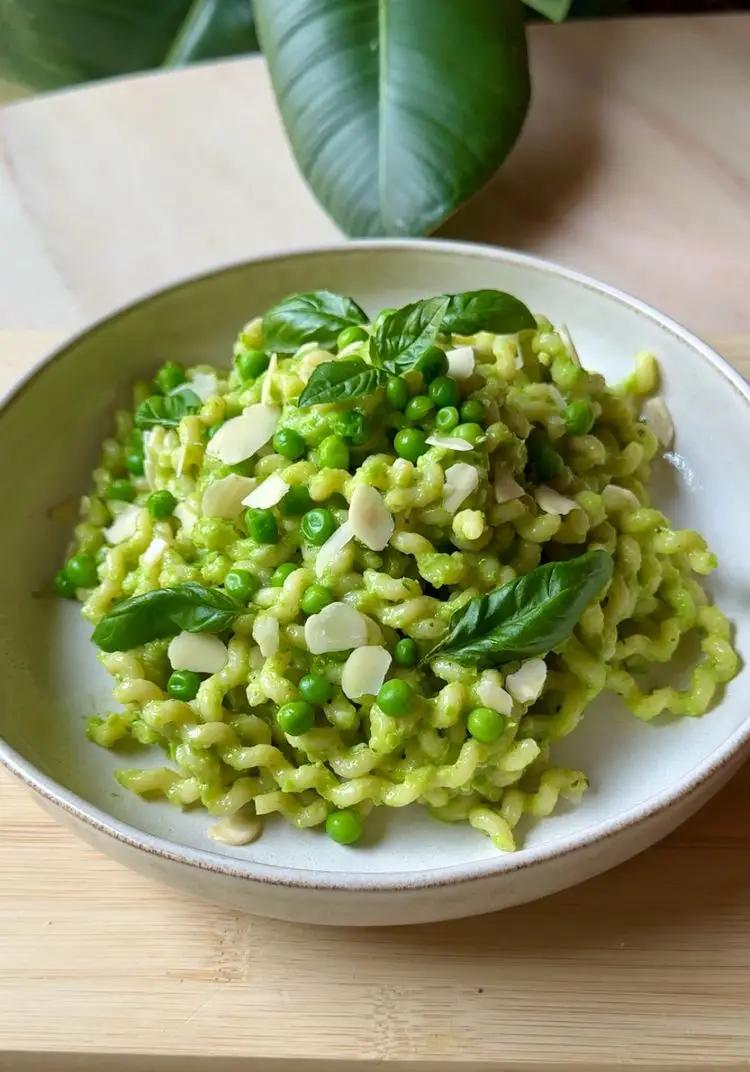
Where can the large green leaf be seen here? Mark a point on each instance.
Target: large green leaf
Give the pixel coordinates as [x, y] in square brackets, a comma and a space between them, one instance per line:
[45, 44]
[397, 110]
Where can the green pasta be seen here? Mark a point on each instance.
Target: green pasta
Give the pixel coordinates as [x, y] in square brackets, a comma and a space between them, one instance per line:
[386, 548]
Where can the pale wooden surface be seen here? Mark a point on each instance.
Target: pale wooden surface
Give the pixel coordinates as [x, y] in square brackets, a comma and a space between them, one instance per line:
[634, 166]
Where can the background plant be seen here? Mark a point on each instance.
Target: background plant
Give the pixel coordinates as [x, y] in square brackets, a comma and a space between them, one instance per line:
[396, 110]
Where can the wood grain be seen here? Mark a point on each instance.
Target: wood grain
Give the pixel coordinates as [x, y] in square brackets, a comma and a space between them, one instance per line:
[634, 166]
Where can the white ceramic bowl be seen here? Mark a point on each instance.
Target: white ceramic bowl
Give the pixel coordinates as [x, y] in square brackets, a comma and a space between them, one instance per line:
[645, 779]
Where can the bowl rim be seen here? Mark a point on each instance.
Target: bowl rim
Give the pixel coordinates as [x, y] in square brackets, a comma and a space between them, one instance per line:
[381, 881]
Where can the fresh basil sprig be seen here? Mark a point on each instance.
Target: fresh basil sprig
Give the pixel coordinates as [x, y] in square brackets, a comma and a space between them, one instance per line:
[486, 310]
[167, 410]
[338, 381]
[527, 616]
[165, 612]
[317, 316]
[402, 338]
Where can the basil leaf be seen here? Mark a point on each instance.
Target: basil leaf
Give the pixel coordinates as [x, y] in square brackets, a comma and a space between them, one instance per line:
[336, 381]
[162, 613]
[402, 338]
[318, 316]
[167, 410]
[486, 310]
[527, 616]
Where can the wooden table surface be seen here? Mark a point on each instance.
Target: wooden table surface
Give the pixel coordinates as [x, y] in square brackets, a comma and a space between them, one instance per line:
[634, 166]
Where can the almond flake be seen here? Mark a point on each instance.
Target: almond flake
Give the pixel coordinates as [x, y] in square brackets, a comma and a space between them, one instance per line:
[369, 518]
[338, 627]
[528, 681]
[461, 362]
[461, 480]
[364, 672]
[332, 548]
[124, 525]
[199, 652]
[241, 437]
[449, 442]
[552, 502]
[224, 498]
[271, 491]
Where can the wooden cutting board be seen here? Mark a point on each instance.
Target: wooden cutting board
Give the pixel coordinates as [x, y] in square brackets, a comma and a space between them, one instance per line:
[101, 969]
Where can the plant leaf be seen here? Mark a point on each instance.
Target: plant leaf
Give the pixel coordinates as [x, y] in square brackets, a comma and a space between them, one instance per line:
[45, 44]
[315, 317]
[337, 381]
[162, 613]
[397, 110]
[167, 410]
[556, 10]
[402, 338]
[486, 310]
[528, 616]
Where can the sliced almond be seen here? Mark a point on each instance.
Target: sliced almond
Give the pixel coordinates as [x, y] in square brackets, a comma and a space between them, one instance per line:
[506, 486]
[186, 516]
[267, 494]
[338, 627]
[616, 498]
[236, 829]
[492, 694]
[364, 672]
[528, 681]
[659, 420]
[448, 442]
[241, 437]
[224, 498]
[205, 384]
[461, 480]
[199, 652]
[332, 548]
[369, 518]
[124, 525]
[461, 362]
[552, 502]
[266, 634]
[154, 552]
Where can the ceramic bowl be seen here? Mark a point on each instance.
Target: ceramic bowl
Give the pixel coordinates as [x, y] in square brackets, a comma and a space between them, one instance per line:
[645, 779]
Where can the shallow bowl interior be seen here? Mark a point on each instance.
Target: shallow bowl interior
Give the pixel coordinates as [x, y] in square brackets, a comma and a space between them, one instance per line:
[50, 432]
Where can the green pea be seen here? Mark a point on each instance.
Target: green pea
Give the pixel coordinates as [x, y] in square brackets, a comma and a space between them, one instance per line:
[318, 525]
[281, 573]
[350, 335]
[169, 376]
[333, 453]
[432, 363]
[134, 462]
[62, 586]
[296, 501]
[485, 725]
[295, 718]
[261, 526]
[120, 490]
[472, 433]
[183, 685]
[472, 411]
[136, 439]
[395, 697]
[406, 652]
[315, 598]
[241, 584]
[316, 689]
[161, 504]
[446, 419]
[444, 392]
[80, 570]
[250, 364]
[578, 417]
[418, 407]
[397, 392]
[289, 444]
[345, 826]
[353, 426]
[410, 443]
